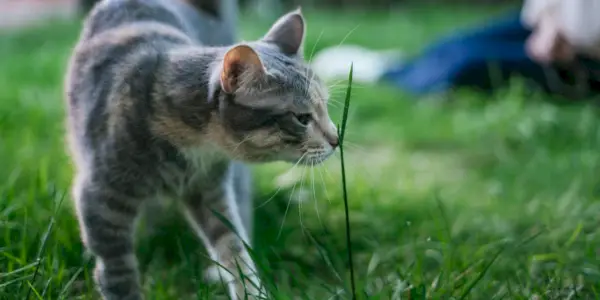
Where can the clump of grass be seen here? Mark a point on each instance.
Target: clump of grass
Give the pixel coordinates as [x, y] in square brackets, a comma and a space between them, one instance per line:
[341, 133]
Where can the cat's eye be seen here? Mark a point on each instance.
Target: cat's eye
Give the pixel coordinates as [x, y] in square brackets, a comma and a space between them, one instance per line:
[303, 119]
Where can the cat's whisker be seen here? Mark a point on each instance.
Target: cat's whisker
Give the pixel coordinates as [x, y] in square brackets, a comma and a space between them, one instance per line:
[326, 171]
[300, 200]
[337, 103]
[343, 85]
[312, 177]
[341, 91]
[349, 120]
[247, 138]
[323, 184]
[311, 79]
[334, 105]
[279, 188]
[348, 35]
[353, 146]
[336, 82]
[334, 90]
[312, 52]
[286, 210]
[334, 98]
[337, 96]
[336, 155]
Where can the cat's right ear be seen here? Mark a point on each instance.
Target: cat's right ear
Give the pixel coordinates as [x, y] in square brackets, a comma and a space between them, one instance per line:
[240, 64]
[288, 33]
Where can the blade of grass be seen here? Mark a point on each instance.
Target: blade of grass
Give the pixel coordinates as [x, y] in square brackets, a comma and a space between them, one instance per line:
[65, 289]
[449, 244]
[34, 291]
[19, 270]
[43, 245]
[46, 287]
[482, 273]
[19, 280]
[342, 130]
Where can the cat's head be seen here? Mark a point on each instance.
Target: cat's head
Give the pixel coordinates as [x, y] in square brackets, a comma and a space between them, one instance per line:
[271, 104]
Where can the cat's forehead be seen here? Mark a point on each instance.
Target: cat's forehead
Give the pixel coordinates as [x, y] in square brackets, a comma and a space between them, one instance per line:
[291, 78]
[302, 90]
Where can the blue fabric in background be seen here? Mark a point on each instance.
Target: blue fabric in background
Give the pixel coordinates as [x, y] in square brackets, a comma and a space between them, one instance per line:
[464, 59]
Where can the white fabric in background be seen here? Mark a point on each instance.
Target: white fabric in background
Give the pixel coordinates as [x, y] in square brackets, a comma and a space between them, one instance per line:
[334, 63]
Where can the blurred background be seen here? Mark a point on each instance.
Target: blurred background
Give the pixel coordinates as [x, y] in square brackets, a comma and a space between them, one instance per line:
[458, 188]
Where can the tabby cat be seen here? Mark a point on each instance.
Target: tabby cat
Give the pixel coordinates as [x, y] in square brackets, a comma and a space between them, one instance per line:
[162, 103]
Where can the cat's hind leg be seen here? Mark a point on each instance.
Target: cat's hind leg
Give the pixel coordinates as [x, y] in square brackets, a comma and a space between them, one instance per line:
[107, 224]
[242, 185]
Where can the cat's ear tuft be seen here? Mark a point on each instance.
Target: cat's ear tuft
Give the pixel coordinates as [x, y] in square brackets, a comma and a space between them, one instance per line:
[288, 33]
[238, 62]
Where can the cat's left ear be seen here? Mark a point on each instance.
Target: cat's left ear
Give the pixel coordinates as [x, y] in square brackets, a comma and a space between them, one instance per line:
[240, 64]
[288, 33]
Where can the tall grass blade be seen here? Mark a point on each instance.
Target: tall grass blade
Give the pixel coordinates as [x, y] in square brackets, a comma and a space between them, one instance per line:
[43, 246]
[481, 274]
[341, 133]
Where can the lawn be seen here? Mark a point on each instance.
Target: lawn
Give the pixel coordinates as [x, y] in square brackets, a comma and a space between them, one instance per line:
[483, 197]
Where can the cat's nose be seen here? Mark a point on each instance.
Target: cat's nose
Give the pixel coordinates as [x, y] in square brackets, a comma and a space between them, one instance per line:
[334, 142]
[331, 135]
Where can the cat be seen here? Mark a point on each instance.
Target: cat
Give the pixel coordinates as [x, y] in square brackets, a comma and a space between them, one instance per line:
[162, 102]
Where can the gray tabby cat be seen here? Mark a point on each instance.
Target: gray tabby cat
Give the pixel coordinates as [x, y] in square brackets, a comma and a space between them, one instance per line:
[158, 106]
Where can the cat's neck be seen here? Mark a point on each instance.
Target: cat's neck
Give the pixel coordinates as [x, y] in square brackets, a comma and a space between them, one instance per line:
[185, 108]
[195, 69]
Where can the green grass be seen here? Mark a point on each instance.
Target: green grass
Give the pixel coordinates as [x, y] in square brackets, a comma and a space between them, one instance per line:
[485, 197]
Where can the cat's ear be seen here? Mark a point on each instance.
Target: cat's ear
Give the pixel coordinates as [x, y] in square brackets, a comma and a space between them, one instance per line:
[239, 62]
[288, 33]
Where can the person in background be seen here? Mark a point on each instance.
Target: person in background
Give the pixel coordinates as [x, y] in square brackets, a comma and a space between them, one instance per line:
[553, 43]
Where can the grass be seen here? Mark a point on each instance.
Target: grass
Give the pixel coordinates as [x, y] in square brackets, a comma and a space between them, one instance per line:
[485, 197]
[341, 133]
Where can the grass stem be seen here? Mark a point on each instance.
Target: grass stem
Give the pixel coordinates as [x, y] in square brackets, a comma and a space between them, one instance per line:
[341, 134]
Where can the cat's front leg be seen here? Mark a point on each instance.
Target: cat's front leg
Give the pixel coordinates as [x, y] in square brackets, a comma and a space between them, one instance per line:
[106, 222]
[225, 242]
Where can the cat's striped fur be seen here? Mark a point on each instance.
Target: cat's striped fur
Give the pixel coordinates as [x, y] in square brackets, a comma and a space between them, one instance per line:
[159, 105]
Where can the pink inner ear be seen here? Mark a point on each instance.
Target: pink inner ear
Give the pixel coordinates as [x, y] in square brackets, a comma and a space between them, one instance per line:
[227, 83]
[237, 60]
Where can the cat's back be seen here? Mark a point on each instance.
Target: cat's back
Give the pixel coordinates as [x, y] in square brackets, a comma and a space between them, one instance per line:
[113, 14]
[113, 68]
[111, 74]
[117, 34]
[214, 27]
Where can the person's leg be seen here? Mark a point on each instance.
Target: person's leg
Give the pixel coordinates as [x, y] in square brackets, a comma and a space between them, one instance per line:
[482, 58]
[481, 64]
[505, 27]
